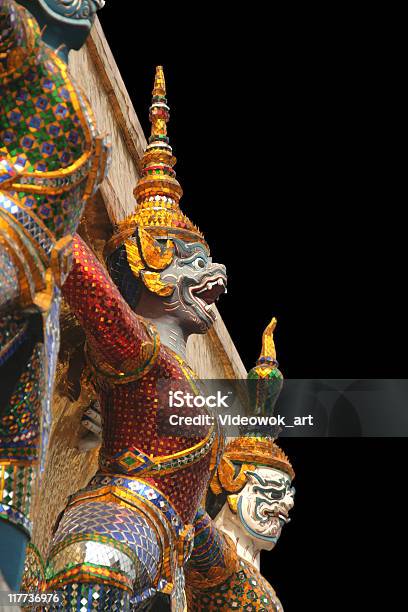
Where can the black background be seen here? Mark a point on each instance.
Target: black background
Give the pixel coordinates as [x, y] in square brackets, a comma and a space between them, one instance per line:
[284, 133]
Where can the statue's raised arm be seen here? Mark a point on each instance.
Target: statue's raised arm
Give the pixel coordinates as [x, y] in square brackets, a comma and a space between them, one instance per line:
[51, 161]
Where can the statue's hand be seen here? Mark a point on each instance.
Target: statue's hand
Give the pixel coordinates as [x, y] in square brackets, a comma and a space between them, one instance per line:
[92, 423]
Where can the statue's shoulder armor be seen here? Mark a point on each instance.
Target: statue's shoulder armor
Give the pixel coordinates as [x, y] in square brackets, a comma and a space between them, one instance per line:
[48, 134]
[51, 160]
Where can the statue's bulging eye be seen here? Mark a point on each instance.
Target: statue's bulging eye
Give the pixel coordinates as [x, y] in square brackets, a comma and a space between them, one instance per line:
[199, 263]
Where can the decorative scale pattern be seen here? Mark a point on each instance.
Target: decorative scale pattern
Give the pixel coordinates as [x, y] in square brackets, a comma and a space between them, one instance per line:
[107, 543]
[209, 545]
[109, 519]
[246, 590]
[141, 489]
[28, 222]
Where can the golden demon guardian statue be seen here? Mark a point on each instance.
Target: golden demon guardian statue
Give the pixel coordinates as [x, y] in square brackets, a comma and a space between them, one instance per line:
[125, 540]
[128, 535]
[51, 160]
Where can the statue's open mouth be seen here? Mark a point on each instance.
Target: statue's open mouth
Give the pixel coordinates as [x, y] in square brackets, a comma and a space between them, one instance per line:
[208, 292]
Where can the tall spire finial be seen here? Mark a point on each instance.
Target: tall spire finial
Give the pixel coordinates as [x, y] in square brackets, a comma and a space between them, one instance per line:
[159, 111]
[158, 191]
[159, 89]
[268, 345]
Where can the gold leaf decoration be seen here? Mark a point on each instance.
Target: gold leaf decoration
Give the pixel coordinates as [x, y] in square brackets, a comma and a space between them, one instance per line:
[133, 256]
[156, 257]
[154, 283]
[268, 344]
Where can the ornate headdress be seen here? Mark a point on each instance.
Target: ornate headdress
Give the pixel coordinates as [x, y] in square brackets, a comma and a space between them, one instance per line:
[248, 452]
[157, 213]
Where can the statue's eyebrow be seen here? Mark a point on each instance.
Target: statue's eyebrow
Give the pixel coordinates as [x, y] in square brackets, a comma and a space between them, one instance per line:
[273, 483]
[199, 250]
[187, 249]
[276, 483]
[257, 476]
[265, 483]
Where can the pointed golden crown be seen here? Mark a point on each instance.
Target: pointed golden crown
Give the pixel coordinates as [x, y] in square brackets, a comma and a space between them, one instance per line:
[158, 191]
[261, 451]
[248, 452]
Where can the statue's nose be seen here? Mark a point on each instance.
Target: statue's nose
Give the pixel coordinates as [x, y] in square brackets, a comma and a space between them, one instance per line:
[223, 268]
[289, 503]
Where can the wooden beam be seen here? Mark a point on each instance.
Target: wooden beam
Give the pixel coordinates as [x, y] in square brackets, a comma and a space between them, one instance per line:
[116, 91]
